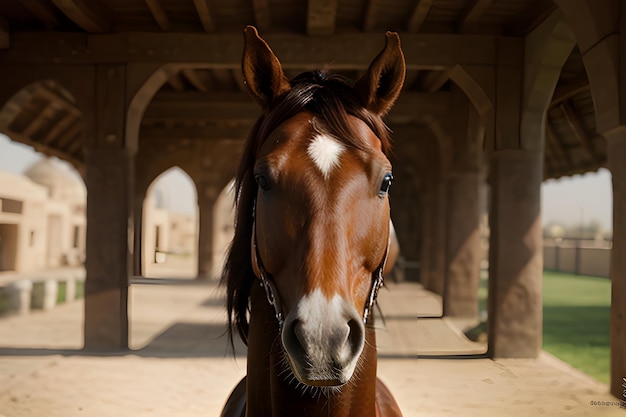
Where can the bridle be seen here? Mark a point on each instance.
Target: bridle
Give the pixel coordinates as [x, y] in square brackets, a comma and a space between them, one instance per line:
[271, 292]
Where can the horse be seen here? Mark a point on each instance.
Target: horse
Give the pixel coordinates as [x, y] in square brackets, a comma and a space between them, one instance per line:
[312, 238]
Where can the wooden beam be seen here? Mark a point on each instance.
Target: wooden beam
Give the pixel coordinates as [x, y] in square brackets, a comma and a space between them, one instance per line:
[205, 11]
[557, 146]
[535, 13]
[70, 135]
[579, 131]
[176, 81]
[46, 115]
[159, 15]
[473, 13]
[47, 150]
[565, 91]
[5, 34]
[195, 79]
[61, 126]
[262, 15]
[207, 109]
[321, 16]
[419, 15]
[90, 15]
[370, 18]
[194, 132]
[190, 105]
[349, 51]
[433, 81]
[43, 11]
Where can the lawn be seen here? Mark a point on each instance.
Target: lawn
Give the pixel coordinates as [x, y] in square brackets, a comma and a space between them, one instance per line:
[576, 314]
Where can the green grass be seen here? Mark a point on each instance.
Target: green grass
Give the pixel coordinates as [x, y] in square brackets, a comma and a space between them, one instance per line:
[576, 315]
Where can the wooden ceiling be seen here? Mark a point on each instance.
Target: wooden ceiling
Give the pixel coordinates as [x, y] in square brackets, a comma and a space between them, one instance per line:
[204, 103]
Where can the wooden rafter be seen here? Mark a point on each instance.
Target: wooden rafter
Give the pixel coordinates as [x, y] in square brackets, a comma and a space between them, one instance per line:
[91, 15]
[48, 150]
[433, 81]
[39, 121]
[557, 147]
[579, 131]
[159, 15]
[176, 82]
[419, 15]
[205, 11]
[43, 11]
[475, 10]
[262, 15]
[535, 13]
[61, 126]
[565, 91]
[195, 79]
[66, 138]
[321, 16]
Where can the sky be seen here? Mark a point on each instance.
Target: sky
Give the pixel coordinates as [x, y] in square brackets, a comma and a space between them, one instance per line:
[566, 201]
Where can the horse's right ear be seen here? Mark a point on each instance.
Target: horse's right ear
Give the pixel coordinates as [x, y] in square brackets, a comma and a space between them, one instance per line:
[262, 72]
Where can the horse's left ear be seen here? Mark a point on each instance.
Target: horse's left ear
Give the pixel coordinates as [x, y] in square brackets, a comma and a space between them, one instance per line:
[262, 71]
[380, 86]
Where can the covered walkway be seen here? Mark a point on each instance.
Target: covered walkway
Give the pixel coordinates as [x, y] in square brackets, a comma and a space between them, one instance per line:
[180, 365]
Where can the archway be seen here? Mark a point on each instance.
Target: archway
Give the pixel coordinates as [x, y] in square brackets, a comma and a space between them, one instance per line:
[170, 226]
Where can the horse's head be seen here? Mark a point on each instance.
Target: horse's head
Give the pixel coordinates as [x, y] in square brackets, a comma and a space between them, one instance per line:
[313, 206]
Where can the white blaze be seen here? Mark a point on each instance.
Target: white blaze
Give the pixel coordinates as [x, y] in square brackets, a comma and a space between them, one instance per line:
[325, 152]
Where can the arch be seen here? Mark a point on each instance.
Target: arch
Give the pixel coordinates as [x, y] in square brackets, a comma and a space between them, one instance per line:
[44, 115]
[169, 233]
[595, 26]
[547, 48]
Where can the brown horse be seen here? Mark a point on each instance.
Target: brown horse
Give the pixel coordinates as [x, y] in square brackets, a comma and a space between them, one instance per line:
[313, 229]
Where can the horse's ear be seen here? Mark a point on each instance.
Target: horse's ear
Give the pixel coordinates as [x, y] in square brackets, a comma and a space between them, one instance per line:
[380, 86]
[262, 71]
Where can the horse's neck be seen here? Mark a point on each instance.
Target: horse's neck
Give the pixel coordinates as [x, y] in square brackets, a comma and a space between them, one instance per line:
[272, 389]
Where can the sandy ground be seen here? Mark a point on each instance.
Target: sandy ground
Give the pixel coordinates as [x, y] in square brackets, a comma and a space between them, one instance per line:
[179, 365]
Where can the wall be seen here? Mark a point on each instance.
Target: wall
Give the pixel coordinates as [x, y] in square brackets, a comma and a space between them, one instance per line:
[582, 258]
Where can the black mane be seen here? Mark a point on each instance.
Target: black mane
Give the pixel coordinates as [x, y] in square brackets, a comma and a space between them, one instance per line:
[331, 99]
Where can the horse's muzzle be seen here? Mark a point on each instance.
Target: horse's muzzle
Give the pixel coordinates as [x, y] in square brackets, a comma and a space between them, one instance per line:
[323, 340]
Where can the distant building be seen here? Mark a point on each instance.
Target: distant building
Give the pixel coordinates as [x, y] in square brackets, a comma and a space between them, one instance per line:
[42, 218]
[43, 222]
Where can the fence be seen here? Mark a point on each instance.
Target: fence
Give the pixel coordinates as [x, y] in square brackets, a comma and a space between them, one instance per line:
[579, 257]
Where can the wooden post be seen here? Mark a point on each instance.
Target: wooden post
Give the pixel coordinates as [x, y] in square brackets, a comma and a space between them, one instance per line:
[616, 156]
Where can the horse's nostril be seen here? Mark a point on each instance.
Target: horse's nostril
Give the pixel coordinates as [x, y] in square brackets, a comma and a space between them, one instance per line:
[356, 335]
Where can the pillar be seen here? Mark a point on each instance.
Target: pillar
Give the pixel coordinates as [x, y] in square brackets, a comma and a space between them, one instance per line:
[617, 164]
[462, 244]
[435, 240]
[207, 195]
[108, 179]
[138, 233]
[515, 255]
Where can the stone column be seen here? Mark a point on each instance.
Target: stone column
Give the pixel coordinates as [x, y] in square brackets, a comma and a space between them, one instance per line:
[138, 233]
[616, 161]
[437, 242]
[462, 266]
[108, 178]
[515, 255]
[207, 195]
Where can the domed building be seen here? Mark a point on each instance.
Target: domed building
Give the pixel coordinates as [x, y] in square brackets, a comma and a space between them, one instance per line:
[42, 218]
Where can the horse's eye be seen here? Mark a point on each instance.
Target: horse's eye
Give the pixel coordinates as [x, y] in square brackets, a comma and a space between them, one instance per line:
[385, 185]
[263, 182]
